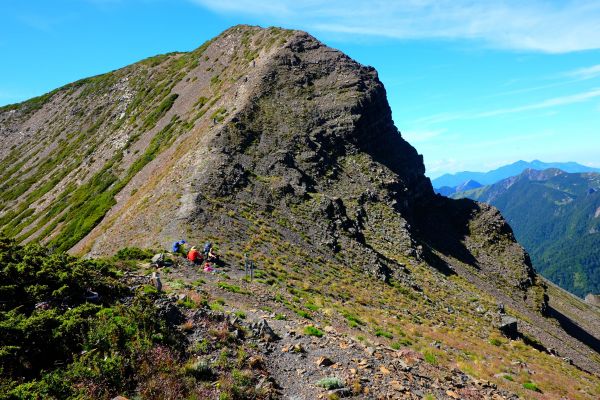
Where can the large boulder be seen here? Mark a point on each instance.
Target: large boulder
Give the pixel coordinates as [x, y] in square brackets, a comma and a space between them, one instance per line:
[508, 327]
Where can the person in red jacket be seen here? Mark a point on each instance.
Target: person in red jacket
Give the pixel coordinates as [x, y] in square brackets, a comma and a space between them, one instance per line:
[195, 256]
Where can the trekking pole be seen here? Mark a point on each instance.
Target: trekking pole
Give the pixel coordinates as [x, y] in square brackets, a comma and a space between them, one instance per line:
[251, 270]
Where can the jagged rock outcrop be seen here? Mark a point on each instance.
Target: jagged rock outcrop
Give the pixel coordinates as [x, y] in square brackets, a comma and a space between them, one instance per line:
[593, 299]
[264, 140]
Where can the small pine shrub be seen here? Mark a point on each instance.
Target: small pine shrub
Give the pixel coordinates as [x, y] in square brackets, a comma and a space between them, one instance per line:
[330, 383]
[353, 320]
[134, 253]
[200, 370]
[303, 314]
[401, 343]
[230, 288]
[313, 331]
[382, 333]
[531, 386]
[430, 358]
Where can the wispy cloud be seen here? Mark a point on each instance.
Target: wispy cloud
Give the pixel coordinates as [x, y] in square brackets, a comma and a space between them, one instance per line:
[422, 135]
[45, 23]
[437, 168]
[573, 77]
[548, 103]
[585, 73]
[536, 25]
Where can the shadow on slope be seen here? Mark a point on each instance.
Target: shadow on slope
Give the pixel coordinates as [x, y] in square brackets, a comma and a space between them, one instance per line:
[575, 330]
[443, 224]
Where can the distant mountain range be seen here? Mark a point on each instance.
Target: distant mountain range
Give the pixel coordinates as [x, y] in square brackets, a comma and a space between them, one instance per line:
[556, 216]
[468, 185]
[506, 171]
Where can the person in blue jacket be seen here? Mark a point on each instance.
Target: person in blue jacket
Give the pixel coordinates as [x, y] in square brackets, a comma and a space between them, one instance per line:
[178, 247]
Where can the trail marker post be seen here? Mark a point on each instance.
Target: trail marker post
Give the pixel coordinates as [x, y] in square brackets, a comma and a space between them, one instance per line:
[248, 266]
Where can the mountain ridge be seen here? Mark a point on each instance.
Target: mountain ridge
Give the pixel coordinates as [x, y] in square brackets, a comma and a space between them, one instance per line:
[268, 142]
[503, 172]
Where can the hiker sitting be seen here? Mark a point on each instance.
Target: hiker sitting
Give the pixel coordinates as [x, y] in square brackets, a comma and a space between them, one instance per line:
[212, 256]
[207, 248]
[195, 256]
[178, 247]
[208, 267]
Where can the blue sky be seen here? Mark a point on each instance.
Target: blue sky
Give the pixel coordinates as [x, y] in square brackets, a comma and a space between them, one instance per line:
[472, 85]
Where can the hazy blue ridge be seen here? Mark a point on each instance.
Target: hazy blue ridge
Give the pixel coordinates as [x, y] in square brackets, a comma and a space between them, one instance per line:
[491, 177]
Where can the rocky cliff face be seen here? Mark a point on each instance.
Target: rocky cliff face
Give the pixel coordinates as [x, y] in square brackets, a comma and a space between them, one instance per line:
[264, 141]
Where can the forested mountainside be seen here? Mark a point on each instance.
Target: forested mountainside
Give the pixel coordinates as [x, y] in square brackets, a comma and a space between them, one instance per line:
[270, 143]
[556, 216]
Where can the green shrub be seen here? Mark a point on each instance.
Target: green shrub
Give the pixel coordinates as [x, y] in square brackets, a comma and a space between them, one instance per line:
[382, 333]
[531, 386]
[401, 343]
[303, 314]
[134, 253]
[231, 288]
[97, 345]
[430, 358]
[495, 342]
[219, 114]
[149, 289]
[353, 320]
[159, 111]
[201, 347]
[330, 383]
[200, 369]
[187, 303]
[313, 331]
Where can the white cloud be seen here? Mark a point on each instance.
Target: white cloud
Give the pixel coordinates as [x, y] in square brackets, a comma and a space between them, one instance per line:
[548, 103]
[535, 25]
[437, 168]
[421, 136]
[593, 163]
[553, 102]
[585, 73]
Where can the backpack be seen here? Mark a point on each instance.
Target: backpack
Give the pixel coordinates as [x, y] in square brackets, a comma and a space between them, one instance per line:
[207, 247]
[158, 259]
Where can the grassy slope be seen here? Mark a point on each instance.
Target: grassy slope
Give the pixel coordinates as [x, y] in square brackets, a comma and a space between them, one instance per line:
[61, 188]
